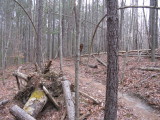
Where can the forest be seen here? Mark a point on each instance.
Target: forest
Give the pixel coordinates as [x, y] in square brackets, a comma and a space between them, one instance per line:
[79, 60]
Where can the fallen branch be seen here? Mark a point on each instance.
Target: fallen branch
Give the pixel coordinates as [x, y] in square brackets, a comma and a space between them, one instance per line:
[68, 100]
[100, 61]
[150, 68]
[91, 66]
[51, 98]
[90, 97]
[46, 68]
[3, 102]
[37, 68]
[20, 114]
[21, 75]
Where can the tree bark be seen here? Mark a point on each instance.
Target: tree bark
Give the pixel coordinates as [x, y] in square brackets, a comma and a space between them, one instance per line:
[112, 60]
[39, 36]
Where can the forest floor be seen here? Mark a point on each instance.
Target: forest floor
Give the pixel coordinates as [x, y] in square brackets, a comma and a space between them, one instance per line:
[138, 97]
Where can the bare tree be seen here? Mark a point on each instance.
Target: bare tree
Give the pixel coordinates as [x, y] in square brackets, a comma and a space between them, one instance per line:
[77, 10]
[112, 60]
[38, 41]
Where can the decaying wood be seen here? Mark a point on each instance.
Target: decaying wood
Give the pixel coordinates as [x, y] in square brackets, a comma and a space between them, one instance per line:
[36, 102]
[37, 68]
[20, 114]
[91, 66]
[46, 68]
[3, 102]
[21, 75]
[68, 100]
[90, 97]
[100, 61]
[150, 68]
[51, 98]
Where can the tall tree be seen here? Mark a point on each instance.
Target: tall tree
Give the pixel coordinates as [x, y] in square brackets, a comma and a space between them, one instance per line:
[153, 28]
[38, 41]
[60, 35]
[112, 60]
[78, 37]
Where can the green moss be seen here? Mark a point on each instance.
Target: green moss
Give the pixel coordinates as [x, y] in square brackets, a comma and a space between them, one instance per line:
[38, 94]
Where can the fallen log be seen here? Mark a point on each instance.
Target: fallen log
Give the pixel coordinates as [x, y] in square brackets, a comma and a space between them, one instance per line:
[20, 114]
[90, 97]
[36, 102]
[51, 98]
[68, 100]
[100, 61]
[3, 102]
[150, 68]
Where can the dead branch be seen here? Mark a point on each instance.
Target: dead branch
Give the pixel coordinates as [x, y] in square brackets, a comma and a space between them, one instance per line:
[3, 102]
[150, 68]
[100, 61]
[133, 6]
[51, 98]
[37, 68]
[21, 75]
[46, 68]
[91, 66]
[20, 114]
[90, 97]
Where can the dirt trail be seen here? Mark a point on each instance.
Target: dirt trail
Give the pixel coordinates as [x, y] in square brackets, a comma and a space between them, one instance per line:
[88, 85]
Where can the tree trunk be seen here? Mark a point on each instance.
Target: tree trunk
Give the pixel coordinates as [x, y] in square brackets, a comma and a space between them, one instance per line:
[78, 33]
[153, 28]
[39, 37]
[112, 60]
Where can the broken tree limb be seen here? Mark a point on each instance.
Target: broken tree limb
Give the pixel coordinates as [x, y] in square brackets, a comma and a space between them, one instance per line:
[100, 61]
[46, 68]
[68, 100]
[3, 102]
[21, 75]
[91, 66]
[37, 68]
[150, 68]
[18, 83]
[20, 114]
[36, 102]
[51, 98]
[90, 97]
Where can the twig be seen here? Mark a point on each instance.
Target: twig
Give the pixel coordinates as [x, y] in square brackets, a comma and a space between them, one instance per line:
[64, 115]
